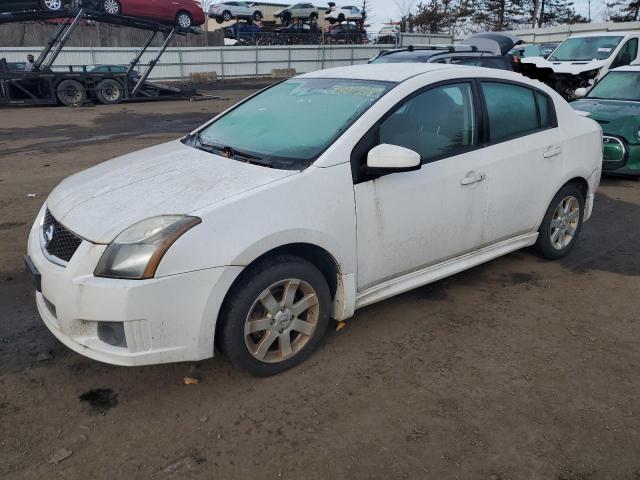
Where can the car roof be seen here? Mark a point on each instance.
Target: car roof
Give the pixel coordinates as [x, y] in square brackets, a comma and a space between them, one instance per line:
[603, 34]
[380, 71]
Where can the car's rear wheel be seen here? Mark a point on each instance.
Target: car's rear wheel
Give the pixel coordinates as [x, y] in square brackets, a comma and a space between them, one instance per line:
[562, 223]
[313, 16]
[71, 93]
[109, 92]
[341, 17]
[52, 5]
[257, 16]
[226, 16]
[112, 7]
[276, 316]
[183, 20]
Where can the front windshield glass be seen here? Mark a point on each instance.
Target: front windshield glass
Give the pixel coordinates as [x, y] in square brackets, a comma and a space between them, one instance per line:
[290, 124]
[618, 86]
[584, 49]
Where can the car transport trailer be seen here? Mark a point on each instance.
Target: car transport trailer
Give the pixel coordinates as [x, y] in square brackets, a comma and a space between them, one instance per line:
[44, 86]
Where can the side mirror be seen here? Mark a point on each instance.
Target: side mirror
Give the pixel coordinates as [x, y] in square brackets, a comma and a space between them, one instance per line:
[388, 158]
[581, 92]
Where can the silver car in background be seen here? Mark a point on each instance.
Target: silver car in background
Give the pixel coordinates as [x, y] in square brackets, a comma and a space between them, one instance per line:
[226, 11]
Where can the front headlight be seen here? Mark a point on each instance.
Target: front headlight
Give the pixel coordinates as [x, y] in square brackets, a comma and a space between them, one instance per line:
[136, 253]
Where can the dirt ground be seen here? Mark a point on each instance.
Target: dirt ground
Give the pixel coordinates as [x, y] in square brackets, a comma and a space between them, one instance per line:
[518, 369]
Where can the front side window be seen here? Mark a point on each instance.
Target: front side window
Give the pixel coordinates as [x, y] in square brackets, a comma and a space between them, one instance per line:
[584, 49]
[292, 123]
[437, 123]
[514, 110]
[618, 86]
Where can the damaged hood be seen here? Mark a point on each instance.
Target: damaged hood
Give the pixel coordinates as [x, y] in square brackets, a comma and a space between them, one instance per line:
[569, 68]
[617, 117]
[170, 178]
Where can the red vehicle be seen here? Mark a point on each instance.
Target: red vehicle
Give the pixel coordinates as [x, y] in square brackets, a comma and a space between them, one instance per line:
[184, 13]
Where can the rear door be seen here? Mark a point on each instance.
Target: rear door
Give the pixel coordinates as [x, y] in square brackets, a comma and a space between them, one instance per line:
[526, 149]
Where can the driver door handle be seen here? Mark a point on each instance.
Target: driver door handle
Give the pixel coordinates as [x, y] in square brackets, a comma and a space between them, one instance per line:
[473, 177]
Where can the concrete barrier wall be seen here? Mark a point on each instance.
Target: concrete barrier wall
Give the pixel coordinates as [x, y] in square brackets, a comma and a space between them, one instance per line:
[33, 34]
[180, 63]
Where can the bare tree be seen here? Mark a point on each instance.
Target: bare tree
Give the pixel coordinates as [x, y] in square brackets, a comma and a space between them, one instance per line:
[405, 7]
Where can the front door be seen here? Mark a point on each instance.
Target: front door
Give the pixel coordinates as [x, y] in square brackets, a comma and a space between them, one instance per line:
[408, 221]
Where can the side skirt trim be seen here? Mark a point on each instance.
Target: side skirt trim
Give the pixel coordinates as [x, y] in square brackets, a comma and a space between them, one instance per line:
[439, 271]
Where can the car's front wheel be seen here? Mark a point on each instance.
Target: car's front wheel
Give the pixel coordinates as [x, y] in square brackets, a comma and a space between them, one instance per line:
[257, 15]
[276, 316]
[562, 223]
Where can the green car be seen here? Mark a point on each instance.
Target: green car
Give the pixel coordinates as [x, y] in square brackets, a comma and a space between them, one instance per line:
[614, 102]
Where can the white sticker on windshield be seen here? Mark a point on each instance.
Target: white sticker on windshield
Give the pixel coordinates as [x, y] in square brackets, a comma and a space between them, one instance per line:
[605, 49]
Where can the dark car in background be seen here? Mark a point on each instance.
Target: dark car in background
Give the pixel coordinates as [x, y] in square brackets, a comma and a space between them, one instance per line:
[242, 31]
[346, 33]
[489, 50]
[47, 5]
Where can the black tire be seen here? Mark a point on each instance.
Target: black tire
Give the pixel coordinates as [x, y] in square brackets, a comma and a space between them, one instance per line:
[184, 20]
[242, 300]
[257, 15]
[313, 16]
[341, 17]
[226, 16]
[109, 92]
[553, 226]
[286, 18]
[332, 21]
[52, 5]
[219, 20]
[71, 93]
[112, 7]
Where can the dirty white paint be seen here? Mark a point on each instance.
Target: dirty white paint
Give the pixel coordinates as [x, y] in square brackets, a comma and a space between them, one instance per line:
[386, 235]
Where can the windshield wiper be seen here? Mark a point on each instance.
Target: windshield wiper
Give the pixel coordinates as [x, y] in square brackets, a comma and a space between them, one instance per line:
[227, 151]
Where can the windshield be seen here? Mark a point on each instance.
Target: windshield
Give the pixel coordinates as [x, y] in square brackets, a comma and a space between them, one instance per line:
[289, 125]
[585, 49]
[618, 86]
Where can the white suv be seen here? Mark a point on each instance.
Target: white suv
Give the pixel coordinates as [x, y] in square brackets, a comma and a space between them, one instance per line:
[301, 11]
[226, 11]
[248, 236]
[342, 14]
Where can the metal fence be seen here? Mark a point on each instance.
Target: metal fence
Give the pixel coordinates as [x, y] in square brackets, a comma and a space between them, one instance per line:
[180, 63]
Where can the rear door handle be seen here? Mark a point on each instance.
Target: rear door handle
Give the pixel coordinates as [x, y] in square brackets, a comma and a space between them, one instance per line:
[552, 152]
[472, 177]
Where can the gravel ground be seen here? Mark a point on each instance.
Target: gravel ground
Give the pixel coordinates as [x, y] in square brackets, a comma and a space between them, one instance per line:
[518, 369]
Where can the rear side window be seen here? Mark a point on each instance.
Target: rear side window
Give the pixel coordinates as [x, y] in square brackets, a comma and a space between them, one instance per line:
[514, 110]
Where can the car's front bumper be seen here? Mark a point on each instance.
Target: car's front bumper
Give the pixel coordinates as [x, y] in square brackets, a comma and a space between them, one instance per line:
[169, 319]
[623, 160]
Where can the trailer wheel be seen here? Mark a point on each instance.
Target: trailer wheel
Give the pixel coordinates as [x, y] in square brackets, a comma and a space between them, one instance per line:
[71, 93]
[109, 92]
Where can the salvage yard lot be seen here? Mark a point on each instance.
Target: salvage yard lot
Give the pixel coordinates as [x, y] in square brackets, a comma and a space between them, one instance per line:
[520, 368]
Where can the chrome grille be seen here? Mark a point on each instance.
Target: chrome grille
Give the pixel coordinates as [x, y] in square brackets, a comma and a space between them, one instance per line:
[57, 241]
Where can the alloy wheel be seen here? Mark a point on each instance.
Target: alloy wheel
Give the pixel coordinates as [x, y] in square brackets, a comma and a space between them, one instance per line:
[564, 222]
[281, 321]
[184, 21]
[53, 4]
[111, 7]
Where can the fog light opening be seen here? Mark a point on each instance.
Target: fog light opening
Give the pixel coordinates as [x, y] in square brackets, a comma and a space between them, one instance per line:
[112, 333]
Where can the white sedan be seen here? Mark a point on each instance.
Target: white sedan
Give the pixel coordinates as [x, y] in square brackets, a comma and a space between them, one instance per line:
[341, 14]
[318, 196]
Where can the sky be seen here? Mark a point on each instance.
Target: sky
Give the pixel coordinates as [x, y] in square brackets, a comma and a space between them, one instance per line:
[382, 10]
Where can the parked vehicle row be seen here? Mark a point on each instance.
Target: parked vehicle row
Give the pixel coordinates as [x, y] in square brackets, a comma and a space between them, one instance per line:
[417, 172]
